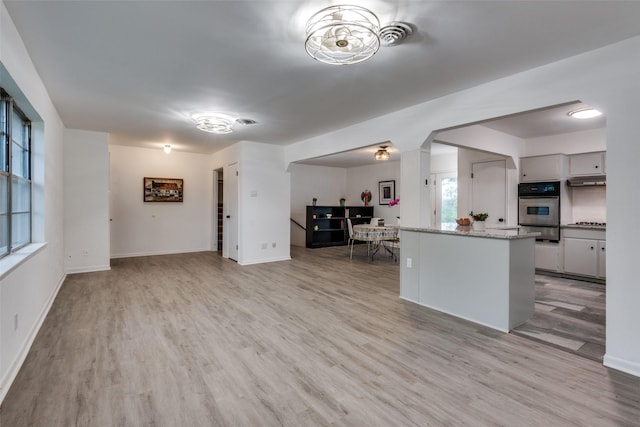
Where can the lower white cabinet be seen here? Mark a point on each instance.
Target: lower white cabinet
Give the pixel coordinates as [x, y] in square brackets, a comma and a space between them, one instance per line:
[602, 259]
[581, 256]
[547, 256]
[585, 252]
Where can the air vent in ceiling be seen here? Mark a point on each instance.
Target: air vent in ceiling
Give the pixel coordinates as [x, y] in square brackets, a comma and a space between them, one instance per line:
[246, 121]
[395, 33]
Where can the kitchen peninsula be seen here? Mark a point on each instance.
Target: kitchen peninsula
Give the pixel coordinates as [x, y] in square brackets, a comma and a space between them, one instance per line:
[487, 277]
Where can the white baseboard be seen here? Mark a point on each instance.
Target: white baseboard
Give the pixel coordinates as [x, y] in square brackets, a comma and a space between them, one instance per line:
[632, 368]
[264, 260]
[14, 368]
[173, 252]
[90, 269]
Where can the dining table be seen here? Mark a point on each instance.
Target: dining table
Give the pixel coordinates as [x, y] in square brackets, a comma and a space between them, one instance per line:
[375, 235]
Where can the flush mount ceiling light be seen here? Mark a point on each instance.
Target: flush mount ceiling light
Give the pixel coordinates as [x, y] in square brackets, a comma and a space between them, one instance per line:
[584, 113]
[342, 34]
[382, 153]
[167, 149]
[214, 123]
[218, 122]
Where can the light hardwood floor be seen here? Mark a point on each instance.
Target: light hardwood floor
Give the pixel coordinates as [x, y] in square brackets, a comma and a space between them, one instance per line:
[196, 340]
[569, 314]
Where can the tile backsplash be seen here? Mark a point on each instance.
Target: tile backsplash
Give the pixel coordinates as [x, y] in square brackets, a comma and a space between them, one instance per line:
[589, 204]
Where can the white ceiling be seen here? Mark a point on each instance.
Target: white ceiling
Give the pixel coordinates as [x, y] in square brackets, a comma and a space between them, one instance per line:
[138, 69]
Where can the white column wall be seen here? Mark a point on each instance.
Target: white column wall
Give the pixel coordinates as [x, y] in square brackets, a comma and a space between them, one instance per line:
[265, 204]
[623, 202]
[28, 290]
[86, 201]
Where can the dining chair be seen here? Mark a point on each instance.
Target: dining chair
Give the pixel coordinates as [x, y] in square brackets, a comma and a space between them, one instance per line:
[393, 247]
[352, 239]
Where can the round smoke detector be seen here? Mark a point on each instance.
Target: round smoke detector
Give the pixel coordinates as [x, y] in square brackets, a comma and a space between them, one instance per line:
[395, 33]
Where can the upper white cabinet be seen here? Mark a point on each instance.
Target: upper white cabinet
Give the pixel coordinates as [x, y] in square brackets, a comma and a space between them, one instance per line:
[587, 164]
[543, 168]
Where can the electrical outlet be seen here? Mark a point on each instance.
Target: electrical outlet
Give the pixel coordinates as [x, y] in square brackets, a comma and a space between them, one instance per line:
[273, 245]
[409, 263]
[15, 322]
[85, 252]
[264, 246]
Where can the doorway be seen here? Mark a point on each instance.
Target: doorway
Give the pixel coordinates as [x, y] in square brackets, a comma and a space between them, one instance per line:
[489, 189]
[219, 197]
[444, 199]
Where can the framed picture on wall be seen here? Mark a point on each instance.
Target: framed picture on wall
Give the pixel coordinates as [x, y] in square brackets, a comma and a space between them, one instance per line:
[163, 189]
[387, 191]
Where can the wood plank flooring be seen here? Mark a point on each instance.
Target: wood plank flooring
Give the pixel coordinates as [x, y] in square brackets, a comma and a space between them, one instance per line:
[196, 340]
[569, 314]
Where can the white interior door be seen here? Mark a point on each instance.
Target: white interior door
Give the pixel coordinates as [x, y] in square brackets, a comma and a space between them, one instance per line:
[231, 211]
[489, 190]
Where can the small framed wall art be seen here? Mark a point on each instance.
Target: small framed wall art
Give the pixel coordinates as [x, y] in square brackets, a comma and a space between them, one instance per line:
[163, 189]
[387, 191]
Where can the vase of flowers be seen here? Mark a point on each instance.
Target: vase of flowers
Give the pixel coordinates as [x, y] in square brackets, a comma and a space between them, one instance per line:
[314, 201]
[478, 220]
[365, 196]
[342, 201]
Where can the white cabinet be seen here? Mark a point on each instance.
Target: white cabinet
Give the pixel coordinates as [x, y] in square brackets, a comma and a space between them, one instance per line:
[602, 259]
[547, 256]
[585, 252]
[581, 256]
[587, 164]
[543, 168]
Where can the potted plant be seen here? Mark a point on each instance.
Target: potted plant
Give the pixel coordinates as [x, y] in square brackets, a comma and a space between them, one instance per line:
[478, 220]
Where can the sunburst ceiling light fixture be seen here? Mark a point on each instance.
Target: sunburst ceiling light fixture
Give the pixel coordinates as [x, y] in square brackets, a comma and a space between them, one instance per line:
[218, 122]
[343, 34]
[214, 123]
[382, 153]
[584, 113]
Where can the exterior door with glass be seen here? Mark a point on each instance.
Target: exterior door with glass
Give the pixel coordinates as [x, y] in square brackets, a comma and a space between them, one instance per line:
[444, 199]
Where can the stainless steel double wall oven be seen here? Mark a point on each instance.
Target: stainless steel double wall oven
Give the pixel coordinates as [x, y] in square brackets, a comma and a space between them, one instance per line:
[539, 208]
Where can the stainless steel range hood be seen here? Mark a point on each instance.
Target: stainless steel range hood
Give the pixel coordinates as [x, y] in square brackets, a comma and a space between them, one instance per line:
[587, 181]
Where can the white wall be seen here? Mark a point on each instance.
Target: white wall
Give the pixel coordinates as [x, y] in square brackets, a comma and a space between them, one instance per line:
[567, 143]
[144, 228]
[265, 204]
[367, 178]
[588, 204]
[86, 201]
[444, 163]
[327, 184]
[29, 289]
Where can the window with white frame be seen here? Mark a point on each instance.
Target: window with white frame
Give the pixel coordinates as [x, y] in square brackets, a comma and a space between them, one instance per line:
[15, 176]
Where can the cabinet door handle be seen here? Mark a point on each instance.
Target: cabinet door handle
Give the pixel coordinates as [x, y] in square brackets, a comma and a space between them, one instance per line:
[602, 249]
[591, 247]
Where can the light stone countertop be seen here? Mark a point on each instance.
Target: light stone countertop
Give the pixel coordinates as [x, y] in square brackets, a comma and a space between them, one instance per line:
[491, 233]
[585, 227]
